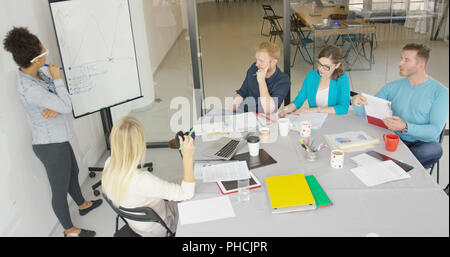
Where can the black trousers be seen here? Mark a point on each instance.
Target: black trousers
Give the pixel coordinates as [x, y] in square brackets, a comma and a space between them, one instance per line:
[62, 172]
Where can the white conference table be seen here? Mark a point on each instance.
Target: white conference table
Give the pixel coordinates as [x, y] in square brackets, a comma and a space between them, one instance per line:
[413, 207]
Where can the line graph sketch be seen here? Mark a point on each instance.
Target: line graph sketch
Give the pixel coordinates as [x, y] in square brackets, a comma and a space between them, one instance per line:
[97, 50]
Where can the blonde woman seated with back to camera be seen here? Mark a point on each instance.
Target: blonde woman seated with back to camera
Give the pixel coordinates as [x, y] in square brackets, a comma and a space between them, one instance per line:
[130, 187]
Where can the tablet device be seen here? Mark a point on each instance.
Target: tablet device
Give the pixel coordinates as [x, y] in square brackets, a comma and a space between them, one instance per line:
[382, 157]
[228, 187]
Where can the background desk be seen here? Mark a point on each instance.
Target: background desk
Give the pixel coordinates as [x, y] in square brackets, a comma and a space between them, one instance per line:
[411, 207]
[355, 35]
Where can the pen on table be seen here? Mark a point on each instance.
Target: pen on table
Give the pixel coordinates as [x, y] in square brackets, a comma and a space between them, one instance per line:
[46, 65]
[190, 133]
[311, 145]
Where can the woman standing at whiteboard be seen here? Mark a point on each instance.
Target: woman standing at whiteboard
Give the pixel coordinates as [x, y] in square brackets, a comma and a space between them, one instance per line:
[46, 101]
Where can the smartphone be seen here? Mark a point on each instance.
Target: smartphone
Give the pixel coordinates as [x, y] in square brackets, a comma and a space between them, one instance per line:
[382, 157]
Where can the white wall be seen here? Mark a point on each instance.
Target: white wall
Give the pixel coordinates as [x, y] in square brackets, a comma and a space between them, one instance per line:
[25, 194]
[165, 22]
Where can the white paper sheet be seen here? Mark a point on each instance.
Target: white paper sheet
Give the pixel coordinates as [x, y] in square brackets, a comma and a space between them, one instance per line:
[383, 172]
[377, 107]
[191, 212]
[226, 172]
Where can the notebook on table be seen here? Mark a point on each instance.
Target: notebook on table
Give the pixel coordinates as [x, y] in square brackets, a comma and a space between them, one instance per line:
[377, 109]
[254, 162]
[290, 193]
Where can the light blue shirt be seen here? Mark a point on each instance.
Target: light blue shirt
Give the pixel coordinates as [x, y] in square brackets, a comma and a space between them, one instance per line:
[338, 94]
[423, 107]
[36, 96]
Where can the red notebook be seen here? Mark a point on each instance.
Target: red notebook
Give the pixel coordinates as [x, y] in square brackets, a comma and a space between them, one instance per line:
[376, 121]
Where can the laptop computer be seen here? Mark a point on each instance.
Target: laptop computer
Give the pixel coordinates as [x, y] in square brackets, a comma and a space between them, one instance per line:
[224, 148]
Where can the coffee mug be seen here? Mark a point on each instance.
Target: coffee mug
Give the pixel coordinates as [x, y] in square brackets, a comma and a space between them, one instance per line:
[337, 159]
[391, 141]
[264, 134]
[305, 129]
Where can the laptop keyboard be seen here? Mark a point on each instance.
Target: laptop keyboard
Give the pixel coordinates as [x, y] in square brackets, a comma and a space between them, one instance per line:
[228, 149]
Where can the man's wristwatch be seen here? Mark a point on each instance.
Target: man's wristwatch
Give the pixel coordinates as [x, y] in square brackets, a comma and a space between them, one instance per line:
[405, 130]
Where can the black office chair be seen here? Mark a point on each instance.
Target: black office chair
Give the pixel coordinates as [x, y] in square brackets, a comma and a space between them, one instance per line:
[142, 214]
[441, 138]
[92, 170]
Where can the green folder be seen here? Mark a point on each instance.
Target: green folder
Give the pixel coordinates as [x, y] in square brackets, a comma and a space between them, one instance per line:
[320, 196]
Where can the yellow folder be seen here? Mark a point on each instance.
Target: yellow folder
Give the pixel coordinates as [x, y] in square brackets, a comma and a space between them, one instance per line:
[289, 191]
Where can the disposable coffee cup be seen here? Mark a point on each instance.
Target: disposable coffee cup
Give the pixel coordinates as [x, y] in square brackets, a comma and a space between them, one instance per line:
[283, 125]
[325, 21]
[337, 159]
[253, 145]
[264, 134]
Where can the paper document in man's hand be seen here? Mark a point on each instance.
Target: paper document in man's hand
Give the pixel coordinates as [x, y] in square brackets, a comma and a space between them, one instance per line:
[377, 107]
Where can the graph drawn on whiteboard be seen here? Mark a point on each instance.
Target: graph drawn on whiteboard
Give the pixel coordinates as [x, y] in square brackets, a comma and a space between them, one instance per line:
[95, 39]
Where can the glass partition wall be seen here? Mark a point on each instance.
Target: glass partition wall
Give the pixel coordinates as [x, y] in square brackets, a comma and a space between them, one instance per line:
[200, 50]
[371, 35]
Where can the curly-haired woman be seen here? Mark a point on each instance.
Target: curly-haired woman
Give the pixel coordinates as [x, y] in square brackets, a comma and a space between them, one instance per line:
[46, 101]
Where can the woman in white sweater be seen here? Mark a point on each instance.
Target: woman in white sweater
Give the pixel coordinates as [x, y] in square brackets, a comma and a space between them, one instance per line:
[130, 187]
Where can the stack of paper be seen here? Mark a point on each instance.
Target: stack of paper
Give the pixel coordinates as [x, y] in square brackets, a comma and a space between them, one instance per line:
[226, 123]
[351, 140]
[379, 173]
[223, 172]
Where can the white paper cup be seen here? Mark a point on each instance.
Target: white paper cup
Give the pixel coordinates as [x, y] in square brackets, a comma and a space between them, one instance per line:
[283, 125]
[253, 145]
[305, 129]
[264, 134]
[337, 159]
[325, 21]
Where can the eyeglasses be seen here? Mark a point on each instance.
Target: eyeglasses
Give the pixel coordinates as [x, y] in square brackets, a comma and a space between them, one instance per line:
[39, 56]
[325, 67]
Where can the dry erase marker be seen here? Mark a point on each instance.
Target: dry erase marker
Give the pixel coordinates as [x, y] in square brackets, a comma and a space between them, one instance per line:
[46, 65]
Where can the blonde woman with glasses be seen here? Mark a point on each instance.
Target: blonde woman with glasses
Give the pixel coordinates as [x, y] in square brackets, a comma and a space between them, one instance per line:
[326, 89]
[129, 187]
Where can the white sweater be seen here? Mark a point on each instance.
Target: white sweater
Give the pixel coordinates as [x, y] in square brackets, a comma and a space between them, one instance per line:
[148, 190]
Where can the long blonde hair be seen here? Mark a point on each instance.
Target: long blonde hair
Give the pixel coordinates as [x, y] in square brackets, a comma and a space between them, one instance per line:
[127, 151]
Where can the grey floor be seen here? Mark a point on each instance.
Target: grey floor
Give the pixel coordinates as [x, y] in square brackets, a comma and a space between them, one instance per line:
[229, 33]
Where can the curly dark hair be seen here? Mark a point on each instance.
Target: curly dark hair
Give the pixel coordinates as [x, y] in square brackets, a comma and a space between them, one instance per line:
[335, 54]
[23, 45]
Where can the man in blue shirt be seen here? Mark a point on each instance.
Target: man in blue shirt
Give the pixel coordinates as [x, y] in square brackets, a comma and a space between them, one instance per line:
[419, 105]
[265, 85]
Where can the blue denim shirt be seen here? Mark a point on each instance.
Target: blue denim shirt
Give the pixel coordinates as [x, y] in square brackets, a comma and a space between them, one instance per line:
[38, 95]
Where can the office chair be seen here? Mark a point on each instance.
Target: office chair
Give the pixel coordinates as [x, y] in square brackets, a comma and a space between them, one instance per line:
[441, 138]
[300, 40]
[142, 214]
[92, 170]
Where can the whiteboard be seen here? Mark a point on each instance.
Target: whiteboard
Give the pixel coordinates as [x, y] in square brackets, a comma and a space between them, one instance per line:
[96, 44]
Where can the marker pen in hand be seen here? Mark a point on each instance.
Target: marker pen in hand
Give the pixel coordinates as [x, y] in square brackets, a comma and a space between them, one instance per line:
[46, 65]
